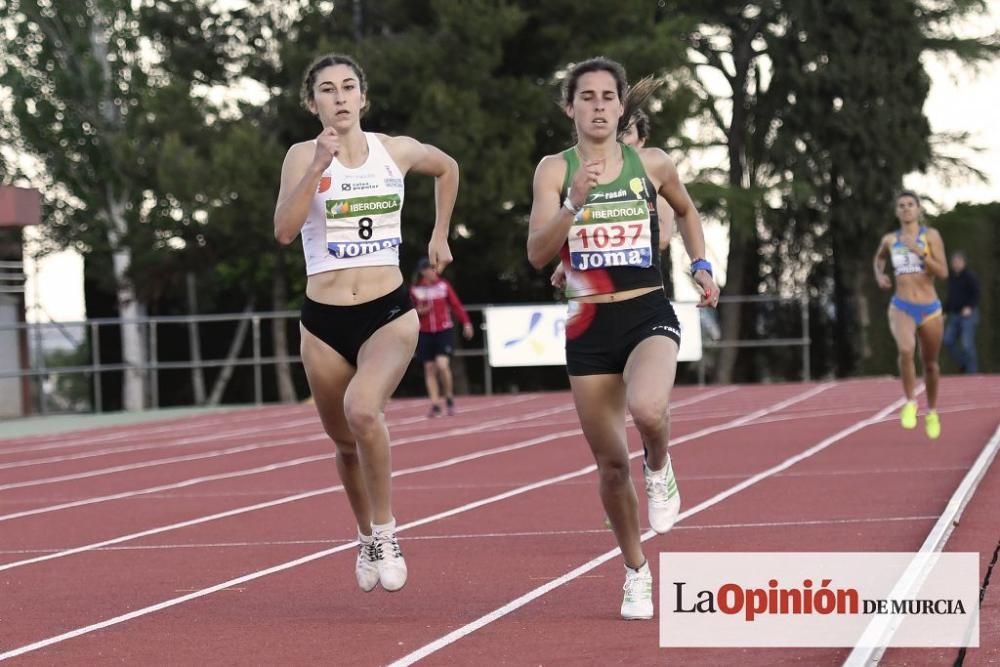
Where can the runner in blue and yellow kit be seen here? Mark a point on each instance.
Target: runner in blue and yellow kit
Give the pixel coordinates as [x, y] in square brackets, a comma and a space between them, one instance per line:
[917, 255]
[595, 206]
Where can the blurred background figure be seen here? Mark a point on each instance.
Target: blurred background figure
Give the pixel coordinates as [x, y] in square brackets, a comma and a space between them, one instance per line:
[435, 300]
[961, 311]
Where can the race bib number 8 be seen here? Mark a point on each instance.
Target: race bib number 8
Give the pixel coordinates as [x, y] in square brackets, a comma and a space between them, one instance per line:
[611, 234]
[362, 225]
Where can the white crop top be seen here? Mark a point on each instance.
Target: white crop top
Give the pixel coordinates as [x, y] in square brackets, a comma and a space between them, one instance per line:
[355, 216]
[906, 261]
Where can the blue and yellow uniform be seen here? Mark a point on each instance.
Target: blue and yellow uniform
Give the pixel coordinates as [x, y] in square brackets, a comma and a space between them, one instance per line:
[904, 262]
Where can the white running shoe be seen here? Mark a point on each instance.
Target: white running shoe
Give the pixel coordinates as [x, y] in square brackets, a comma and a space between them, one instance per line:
[391, 566]
[638, 602]
[366, 567]
[664, 497]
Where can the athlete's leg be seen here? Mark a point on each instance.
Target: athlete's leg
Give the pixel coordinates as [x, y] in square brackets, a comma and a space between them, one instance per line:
[649, 377]
[930, 334]
[600, 404]
[904, 330]
[328, 375]
[382, 361]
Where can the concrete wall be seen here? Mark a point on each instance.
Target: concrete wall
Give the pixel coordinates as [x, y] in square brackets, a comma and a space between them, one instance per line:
[10, 388]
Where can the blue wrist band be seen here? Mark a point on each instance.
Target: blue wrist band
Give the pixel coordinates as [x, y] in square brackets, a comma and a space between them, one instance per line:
[701, 265]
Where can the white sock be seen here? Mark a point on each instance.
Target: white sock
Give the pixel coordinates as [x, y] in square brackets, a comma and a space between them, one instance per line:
[384, 528]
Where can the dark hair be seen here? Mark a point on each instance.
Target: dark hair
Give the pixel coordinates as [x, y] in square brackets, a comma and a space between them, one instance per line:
[911, 194]
[641, 122]
[598, 64]
[306, 95]
[635, 98]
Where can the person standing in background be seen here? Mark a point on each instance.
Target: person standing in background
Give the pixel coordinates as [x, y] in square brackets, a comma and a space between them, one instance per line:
[961, 310]
[435, 300]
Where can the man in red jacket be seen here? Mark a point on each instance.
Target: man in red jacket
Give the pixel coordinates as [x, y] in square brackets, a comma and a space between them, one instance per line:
[435, 299]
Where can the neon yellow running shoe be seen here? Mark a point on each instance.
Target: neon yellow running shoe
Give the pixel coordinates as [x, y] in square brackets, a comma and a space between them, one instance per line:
[908, 415]
[932, 422]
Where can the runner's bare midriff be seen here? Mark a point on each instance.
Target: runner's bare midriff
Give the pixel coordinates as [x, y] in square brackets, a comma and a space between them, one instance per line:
[916, 288]
[624, 295]
[348, 287]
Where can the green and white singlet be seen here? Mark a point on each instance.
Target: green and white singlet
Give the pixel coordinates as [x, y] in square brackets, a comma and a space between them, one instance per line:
[613, 243]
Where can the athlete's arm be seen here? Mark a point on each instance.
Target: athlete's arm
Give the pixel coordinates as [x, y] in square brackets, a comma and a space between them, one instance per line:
[934, 260]
[878, 263]
[300, 176]
[549, 222]
[411, 155]
[661, 169]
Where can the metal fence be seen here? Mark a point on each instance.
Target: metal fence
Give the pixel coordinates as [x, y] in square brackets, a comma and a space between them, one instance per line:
[803, 340]
[86, 336]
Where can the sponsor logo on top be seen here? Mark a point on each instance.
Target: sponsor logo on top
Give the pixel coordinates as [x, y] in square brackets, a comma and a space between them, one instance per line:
[375, 205]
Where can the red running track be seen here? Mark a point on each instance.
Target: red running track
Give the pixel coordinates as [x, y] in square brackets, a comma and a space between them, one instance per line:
[224, 539]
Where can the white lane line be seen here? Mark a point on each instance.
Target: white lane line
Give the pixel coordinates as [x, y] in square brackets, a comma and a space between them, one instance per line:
[878, 633]
[521, 601]
[166, 444]
[280, 443]
[282, 501]
[309, 494]
[293, 441]
[327, 552]
[164, 487]
[157, 462]
[125, 432]
[501, 535]
[308, 419]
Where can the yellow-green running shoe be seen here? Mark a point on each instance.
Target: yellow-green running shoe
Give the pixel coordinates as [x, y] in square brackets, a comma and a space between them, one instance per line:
[933, 425]
[908, 415]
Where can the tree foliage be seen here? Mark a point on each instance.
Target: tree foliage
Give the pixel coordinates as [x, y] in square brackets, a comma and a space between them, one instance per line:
[168, 146]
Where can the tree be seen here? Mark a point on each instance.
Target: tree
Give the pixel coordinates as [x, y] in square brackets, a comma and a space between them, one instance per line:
[857, 128]
[77, 78]
[808, 122]
[731, 40]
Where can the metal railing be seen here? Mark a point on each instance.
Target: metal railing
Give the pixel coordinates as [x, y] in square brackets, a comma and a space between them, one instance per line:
[803, 340]
[90, 331]
[12, 277]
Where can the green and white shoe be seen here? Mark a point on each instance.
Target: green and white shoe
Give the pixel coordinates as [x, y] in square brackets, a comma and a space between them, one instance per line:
[663, 496]
[638, 601]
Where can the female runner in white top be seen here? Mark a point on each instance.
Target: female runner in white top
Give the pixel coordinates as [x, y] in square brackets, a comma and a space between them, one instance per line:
[344, 191]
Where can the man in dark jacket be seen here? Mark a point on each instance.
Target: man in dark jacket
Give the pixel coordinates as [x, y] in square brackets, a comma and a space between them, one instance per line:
[962, 314]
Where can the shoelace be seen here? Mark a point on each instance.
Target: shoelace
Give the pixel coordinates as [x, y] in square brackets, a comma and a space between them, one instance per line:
[369, 551]
[659, 486]
[388, 542]
[636, 585]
